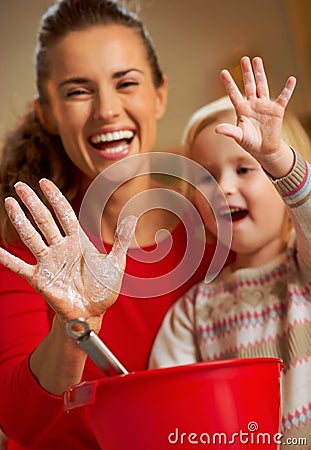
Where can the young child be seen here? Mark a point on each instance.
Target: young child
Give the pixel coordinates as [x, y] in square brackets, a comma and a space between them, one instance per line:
[260, 305]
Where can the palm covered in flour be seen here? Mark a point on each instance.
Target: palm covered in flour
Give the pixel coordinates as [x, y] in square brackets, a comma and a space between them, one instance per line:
[74, 278]
[259, 119]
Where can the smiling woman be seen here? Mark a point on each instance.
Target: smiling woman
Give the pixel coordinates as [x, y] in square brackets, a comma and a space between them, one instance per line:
[100, 93]
[91, 96]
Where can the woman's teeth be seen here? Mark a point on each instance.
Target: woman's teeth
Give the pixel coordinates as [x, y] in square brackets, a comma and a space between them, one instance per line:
[118, 149]
[110, 137]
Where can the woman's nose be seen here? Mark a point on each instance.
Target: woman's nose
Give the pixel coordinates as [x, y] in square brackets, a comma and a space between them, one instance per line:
[106, 106]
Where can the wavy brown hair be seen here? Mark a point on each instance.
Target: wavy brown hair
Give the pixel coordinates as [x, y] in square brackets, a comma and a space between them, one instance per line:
[29, 152]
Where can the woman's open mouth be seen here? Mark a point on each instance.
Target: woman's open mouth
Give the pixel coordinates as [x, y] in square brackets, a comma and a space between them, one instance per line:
[113, 144]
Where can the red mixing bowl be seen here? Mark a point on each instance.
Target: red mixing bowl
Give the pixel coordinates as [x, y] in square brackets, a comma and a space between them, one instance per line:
[232, 404]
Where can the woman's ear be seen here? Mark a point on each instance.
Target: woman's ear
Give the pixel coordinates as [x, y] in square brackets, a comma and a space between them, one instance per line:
[44, 117]
[162, 92]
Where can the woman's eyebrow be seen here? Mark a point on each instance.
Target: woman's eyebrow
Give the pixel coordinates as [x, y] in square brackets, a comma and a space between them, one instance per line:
[121, 73]
[77, 80]
[81, 80]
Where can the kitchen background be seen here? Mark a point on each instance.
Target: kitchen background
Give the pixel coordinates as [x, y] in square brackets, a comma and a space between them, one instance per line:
[195, 39]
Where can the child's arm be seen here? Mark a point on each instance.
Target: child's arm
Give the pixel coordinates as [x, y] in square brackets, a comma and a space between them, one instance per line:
[176, 342]
[295, 189]
[259, 132]
[259, 119]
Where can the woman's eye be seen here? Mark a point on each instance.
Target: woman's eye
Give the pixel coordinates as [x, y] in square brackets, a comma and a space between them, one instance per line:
[126, 84]
[77, 92]
[243, 170]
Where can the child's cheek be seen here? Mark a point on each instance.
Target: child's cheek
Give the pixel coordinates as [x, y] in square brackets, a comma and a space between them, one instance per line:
[205, 210]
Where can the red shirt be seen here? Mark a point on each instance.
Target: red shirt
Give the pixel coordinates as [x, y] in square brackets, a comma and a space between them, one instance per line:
[33, 417]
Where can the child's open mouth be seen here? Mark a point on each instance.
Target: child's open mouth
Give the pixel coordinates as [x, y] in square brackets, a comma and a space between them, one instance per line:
[235, 214]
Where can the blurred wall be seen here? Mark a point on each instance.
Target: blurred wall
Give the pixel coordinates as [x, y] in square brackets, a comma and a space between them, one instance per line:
[195, 39]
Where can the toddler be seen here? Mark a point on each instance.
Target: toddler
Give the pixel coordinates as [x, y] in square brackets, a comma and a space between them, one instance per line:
[260, 305]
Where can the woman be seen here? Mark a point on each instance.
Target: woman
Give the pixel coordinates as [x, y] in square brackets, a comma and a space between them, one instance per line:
[100, 94]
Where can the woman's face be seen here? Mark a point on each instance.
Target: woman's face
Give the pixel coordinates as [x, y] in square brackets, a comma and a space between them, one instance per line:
[102, 101]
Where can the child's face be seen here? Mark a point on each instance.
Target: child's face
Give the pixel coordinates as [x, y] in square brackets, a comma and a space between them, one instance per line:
[257, 210]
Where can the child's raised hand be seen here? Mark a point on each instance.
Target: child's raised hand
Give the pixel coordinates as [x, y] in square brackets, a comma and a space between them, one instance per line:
[259, 119]
[74, 278]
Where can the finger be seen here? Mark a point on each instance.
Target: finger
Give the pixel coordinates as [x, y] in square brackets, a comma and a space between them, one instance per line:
[231, 88]
[40, 213]
[248, 77]
[16, 265]
[61, 206]
[124, 236]
[24, 228]
[287, 92]
[262, 88]
[230, 130]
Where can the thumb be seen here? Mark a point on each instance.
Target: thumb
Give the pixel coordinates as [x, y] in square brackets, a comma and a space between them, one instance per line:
[124, 235]
[229, 130]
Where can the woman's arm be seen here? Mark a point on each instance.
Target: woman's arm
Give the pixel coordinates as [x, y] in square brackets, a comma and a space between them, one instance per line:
[26, 409]
[72, 276]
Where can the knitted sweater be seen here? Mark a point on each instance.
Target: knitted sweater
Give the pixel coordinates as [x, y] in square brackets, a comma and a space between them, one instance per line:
[256, 312]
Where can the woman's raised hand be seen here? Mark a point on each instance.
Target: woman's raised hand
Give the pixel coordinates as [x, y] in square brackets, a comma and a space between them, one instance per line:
[259, 119]
[74, 278]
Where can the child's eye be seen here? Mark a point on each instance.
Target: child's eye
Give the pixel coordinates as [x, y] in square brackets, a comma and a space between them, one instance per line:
[204, 180]
[208, 179]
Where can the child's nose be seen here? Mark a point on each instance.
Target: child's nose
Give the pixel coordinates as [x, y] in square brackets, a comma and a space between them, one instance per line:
[227, 185]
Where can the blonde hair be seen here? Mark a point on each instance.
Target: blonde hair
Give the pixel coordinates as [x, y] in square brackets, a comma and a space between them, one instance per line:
[293, 131]
[296, 136]
[201, 118]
